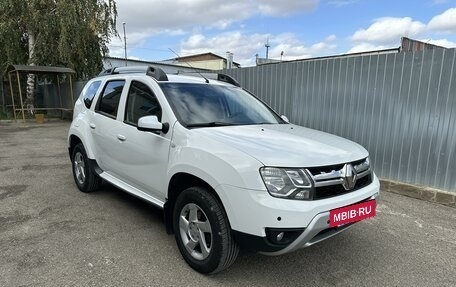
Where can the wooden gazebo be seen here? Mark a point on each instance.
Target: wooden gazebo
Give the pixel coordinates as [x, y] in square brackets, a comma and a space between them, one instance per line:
[14, 71]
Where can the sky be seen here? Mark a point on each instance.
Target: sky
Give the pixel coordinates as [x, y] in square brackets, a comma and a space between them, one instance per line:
[299, 28]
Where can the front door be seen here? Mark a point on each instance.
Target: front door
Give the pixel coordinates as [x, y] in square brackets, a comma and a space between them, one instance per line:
[143, 155]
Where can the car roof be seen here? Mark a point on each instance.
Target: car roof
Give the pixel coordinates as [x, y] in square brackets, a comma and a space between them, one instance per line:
[160, 76]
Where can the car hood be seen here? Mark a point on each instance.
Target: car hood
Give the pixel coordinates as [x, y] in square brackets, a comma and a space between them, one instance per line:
[286, 145]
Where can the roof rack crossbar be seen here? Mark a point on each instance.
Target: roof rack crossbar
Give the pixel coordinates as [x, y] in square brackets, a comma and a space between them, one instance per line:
[213, 76]
[152, 71]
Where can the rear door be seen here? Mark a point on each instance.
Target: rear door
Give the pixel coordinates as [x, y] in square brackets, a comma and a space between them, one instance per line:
[105, 126]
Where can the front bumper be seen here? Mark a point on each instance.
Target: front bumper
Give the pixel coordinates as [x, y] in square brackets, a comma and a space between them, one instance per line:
[318, 230]
[251, 212]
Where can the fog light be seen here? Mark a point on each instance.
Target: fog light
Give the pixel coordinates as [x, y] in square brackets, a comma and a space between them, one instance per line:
[282, 236]
[279, 236]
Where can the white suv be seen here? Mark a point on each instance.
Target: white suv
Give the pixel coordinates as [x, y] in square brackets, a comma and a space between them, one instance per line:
[228, 171]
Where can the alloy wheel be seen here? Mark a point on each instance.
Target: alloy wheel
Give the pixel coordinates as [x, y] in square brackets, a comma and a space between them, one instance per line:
[196, 231]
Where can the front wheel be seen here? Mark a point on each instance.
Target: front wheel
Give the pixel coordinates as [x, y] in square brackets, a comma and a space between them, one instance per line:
[202, 231]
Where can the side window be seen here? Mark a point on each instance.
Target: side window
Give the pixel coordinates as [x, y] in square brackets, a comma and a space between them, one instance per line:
[109, 100]
[90, 93]
[141, 102]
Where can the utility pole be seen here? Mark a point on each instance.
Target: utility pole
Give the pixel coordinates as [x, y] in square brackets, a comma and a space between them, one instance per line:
[267, 48]
[125, 44]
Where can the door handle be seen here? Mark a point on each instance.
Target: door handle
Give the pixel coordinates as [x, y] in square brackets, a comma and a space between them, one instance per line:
[92, 126]
[121, 138]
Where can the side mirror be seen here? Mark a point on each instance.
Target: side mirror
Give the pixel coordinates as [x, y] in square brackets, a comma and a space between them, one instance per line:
[151, 124]
[285, 119]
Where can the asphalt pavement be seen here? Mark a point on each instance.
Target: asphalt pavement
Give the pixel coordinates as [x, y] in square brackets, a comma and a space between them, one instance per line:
[53, 235]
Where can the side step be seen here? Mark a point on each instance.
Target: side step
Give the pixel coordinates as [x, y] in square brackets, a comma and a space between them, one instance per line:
[130, 189]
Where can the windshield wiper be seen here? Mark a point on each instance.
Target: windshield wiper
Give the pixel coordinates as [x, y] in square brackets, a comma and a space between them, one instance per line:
[210, 124]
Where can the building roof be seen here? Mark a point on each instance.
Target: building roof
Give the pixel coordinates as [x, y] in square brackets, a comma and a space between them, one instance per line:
[411, 45]
[40, 69]
[202, 57]
[146, 62]
[169, 68]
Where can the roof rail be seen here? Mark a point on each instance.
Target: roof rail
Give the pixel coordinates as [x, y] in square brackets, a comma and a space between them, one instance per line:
[219, 77]
[152, 71]
[228, 79]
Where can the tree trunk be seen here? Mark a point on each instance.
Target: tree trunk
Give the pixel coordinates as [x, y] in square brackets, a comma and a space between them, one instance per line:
[30, 99]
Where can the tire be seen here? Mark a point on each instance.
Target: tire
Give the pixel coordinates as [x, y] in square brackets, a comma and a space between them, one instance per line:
[199, 221]
[83, 172]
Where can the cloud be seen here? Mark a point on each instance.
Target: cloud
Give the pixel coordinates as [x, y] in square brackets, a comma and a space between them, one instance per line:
[441, 42]
[365, 47]
[445, 22]
[153, 16]
[134, 40]
[245, 46]
[293, 48]
[146, 18]
[388, 30]
[283, 8]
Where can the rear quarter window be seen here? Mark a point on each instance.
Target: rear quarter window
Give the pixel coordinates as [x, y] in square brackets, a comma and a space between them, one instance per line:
[90, 93]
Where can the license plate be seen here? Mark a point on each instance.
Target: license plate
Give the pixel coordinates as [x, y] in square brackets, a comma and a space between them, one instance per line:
[352, 213]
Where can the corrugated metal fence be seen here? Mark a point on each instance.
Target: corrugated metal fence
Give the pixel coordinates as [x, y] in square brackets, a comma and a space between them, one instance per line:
[401, 107]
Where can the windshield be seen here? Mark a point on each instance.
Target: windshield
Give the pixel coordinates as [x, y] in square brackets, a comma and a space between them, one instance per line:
[203, 105]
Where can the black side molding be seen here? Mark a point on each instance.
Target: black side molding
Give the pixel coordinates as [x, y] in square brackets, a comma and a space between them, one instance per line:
[95, 166]
[255, 243]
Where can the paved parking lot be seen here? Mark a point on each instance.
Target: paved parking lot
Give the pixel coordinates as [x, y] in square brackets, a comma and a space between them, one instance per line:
[53, 235]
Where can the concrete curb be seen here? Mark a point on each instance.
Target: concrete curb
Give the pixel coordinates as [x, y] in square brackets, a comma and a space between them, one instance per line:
[419, 192]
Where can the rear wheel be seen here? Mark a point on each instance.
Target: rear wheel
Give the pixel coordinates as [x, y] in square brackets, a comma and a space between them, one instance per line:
[83, 172]
[202, 231]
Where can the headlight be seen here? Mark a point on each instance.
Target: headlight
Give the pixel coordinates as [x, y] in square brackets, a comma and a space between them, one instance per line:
[287, 182]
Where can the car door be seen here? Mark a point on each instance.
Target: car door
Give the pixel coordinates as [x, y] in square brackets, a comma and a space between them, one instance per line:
[104, 125]
[143, 155]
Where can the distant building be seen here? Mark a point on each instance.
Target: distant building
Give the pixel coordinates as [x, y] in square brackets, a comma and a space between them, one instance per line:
[110, 62]
[209, 61]
[263, 61]
[410, 45]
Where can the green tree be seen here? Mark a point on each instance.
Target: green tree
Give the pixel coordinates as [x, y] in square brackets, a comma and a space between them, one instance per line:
[70, 33]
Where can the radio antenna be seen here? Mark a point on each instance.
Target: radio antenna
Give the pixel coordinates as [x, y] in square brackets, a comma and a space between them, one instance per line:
[207, 81]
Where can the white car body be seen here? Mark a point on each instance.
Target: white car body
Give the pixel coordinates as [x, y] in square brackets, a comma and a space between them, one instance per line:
[228, 159]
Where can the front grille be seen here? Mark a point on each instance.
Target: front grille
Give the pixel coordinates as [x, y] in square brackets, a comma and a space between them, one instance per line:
[325, 169]
[335, 190]
[334, 180]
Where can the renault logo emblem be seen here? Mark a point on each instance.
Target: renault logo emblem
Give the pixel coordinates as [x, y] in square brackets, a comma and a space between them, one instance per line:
[349, 177]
